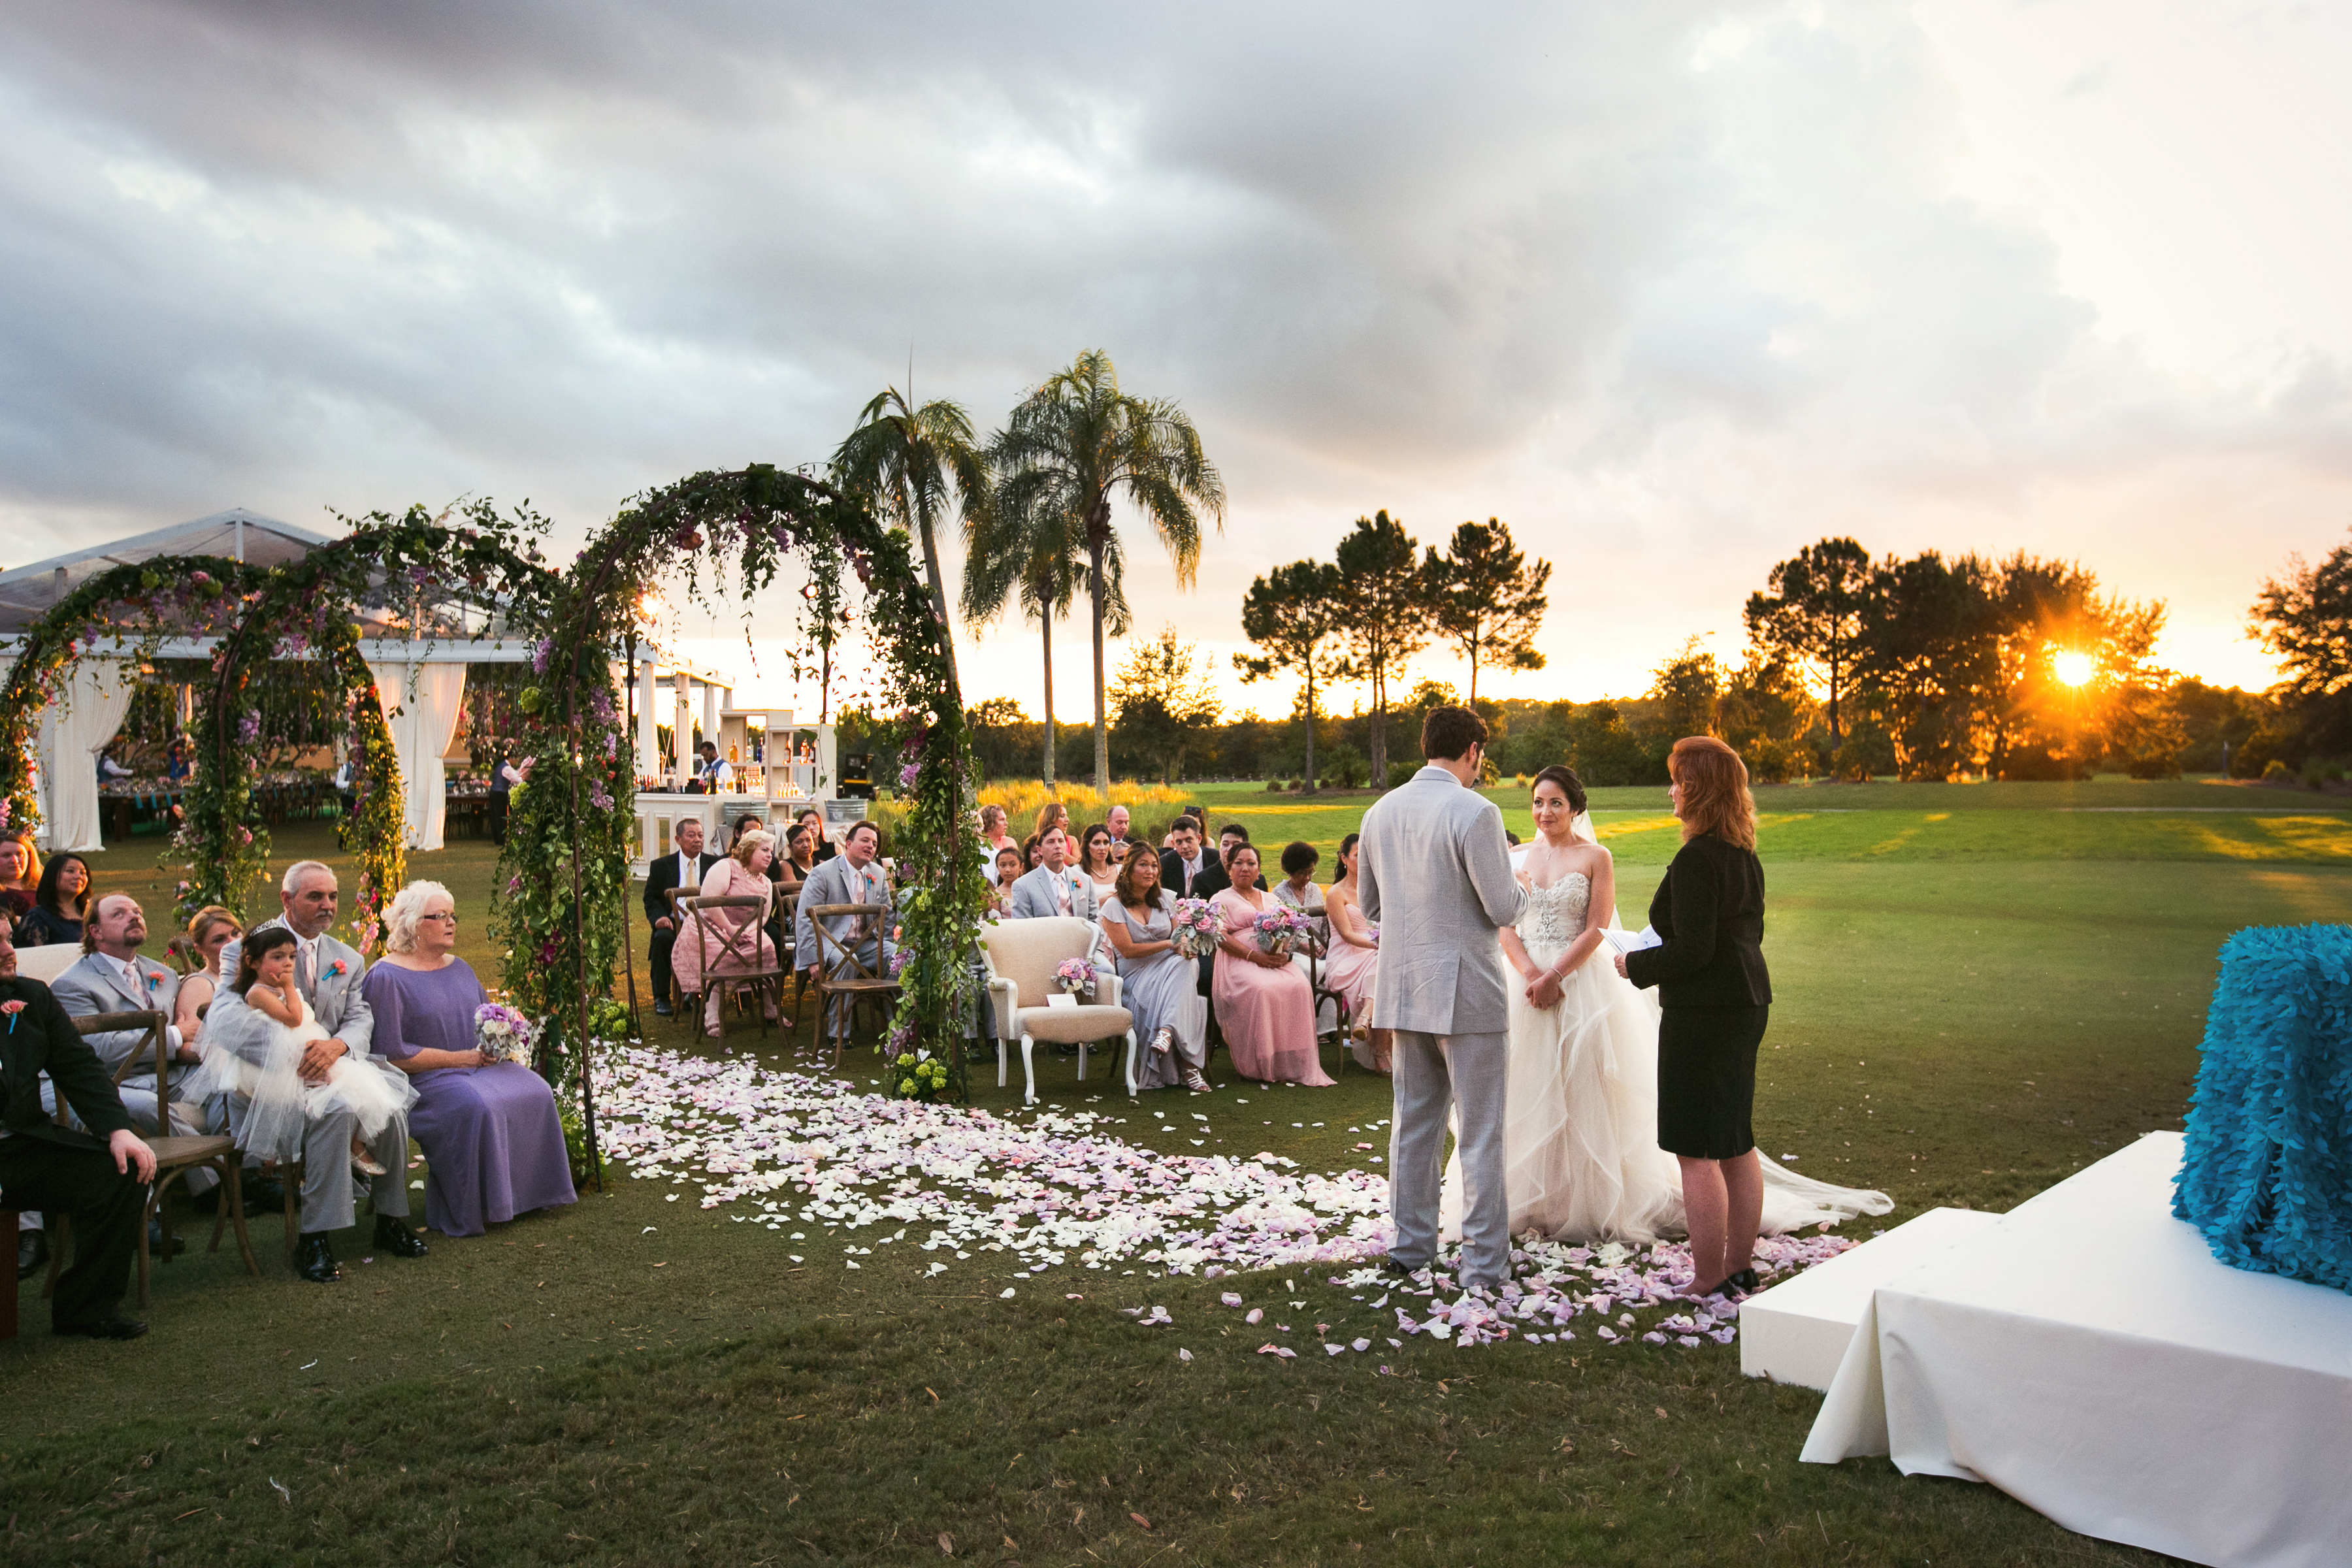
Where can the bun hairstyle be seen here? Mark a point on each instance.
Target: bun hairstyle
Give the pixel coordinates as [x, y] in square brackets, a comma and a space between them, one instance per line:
[1569, 784]
[254, 948]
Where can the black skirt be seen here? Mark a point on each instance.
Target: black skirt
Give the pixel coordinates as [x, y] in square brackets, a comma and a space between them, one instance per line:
[1706, 1081]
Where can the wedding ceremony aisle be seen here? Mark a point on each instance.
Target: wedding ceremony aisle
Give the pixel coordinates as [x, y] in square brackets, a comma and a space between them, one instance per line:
[1982, 990]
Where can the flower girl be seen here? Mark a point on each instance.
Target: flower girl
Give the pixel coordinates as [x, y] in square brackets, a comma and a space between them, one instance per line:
[281, 1103]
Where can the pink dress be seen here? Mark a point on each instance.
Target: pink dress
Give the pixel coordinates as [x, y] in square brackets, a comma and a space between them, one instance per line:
[730, 946]
[1267, 1015]
[1350, 970]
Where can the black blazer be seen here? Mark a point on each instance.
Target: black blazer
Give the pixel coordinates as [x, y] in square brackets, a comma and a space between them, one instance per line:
[1211, 881]
[1710, 913]
[44, 1040]
[662, 876]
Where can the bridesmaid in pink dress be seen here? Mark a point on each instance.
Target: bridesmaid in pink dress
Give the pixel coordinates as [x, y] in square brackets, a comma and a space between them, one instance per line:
[1264, 1004]
[1355, 962]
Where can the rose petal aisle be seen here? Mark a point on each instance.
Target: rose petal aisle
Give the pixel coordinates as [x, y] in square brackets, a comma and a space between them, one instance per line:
[1051, 1188]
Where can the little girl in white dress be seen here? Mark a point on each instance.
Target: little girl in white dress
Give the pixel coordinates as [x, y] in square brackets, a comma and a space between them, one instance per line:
[281, 1104]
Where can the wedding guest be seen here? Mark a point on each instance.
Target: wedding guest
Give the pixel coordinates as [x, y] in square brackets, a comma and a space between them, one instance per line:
[1185, 870]
[504, 776]
[113, 977]
[1008, 870]
[820, 846]
[1715, 995]
[330, 976]
[1230, 834]
[1265, 1008]
[793, 866]
[1355, 960]
[1053, 814]
[1095, 863]
[992, 829]
[744, 824]
[1118, 820]
[1056, 887]
[61, 903]
[1297, 889]
[177, 764]
[20, 878]
[850, 878]
[210, 929]
[719, 937]
[97, 1178]
[1155, 982]
[1032, 847]
[492, 1139]
[682, 870]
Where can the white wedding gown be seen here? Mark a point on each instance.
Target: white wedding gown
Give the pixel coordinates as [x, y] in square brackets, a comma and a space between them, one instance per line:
[1582, 1161]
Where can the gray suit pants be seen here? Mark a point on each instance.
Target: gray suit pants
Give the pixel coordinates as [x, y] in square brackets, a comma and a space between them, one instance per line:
[328, 1202]
[1469, 1074]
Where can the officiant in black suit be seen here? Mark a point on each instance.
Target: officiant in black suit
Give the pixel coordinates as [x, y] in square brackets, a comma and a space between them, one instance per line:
[682, 868]
[98, 1177]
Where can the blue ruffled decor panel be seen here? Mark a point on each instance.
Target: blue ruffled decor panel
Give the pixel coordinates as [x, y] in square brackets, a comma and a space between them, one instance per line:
[2268, 1173]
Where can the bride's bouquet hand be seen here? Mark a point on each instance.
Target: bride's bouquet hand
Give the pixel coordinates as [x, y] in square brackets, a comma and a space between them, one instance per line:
[1543, 991]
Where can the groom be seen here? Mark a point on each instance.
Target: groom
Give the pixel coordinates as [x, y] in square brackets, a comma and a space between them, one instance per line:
[1435, 872]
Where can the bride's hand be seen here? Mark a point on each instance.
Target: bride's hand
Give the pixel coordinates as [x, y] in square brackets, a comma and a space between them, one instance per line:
[1543, 993]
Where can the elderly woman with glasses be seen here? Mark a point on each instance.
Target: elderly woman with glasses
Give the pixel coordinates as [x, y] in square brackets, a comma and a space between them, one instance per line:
[492, 1139]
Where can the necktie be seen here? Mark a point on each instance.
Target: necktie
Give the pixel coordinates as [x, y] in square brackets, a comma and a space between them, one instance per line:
[302, 977]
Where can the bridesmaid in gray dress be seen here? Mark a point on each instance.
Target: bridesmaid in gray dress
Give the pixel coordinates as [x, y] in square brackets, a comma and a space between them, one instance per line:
[1160, 985]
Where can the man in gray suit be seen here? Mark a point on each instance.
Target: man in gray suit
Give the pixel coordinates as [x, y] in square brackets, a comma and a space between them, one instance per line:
[329, 974]
[112, 976]
[849, 878]
[1054, 888]
[1435, 872]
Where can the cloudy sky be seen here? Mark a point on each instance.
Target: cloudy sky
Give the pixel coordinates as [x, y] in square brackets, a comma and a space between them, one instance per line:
[1674, 289]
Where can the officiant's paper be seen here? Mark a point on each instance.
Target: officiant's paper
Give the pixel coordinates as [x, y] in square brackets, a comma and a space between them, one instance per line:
[1632, 941]
[1060, 999]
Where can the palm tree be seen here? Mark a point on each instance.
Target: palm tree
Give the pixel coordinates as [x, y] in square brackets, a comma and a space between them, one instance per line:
[916, 463]
[1036, 557]
[1075, 441]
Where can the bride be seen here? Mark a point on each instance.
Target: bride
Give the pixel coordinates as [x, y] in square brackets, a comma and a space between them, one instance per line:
[1582, 1160]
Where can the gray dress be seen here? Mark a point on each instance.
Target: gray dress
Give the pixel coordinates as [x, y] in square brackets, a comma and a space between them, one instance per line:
[1162, 991]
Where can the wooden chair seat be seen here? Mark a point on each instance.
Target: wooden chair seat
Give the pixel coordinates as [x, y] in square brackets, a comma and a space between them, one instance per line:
[718, 941]
[175, 1155]
[855, 978]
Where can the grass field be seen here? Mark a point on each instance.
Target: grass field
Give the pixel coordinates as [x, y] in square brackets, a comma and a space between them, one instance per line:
[1981, 989]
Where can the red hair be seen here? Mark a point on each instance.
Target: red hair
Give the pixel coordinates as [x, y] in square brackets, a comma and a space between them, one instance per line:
[1715, 791]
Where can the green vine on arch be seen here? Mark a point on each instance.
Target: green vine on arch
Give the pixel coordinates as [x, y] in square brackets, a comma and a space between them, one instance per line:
[138, 607]
[562, 913]
[422, 571]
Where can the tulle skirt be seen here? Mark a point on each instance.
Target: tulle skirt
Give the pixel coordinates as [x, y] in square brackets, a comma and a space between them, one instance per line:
[280, 1106]
[1582, 1161]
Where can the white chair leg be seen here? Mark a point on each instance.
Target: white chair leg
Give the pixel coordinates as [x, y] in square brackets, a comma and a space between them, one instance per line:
[1003, 1061]
[1131, 1049]
[1028, 1071]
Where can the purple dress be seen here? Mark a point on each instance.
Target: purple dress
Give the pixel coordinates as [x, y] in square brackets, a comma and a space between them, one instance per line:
[492, 1141]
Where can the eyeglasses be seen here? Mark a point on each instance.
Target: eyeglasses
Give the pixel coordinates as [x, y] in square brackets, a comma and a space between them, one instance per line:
[450, 915]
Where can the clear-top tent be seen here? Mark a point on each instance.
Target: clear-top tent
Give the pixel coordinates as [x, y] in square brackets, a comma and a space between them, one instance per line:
[418, 650]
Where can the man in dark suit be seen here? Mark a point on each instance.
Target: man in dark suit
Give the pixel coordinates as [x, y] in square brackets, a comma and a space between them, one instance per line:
[1190, 870]
[683, 868]
[99, 1177]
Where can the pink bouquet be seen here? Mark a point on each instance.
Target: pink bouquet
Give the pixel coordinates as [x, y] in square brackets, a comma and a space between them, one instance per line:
[1074, 975]
[1280, 929]
[501, 1034]
[1198, 927]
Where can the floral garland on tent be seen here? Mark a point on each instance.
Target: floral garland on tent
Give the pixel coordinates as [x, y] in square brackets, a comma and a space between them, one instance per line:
[562, 912]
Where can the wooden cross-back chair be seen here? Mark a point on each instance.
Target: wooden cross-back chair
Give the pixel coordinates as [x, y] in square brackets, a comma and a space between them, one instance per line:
[841, 973]
[174, 1156]
[739, 945]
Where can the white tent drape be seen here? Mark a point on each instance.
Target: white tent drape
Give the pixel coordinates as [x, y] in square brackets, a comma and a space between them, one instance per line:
[421, 703]
[89, 708]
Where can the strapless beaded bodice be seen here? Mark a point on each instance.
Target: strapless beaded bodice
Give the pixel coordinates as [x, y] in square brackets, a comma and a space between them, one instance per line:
[1556, 915]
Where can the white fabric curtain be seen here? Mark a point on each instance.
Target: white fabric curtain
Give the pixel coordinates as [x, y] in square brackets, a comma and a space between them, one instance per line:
[89, 711]
[421, 703]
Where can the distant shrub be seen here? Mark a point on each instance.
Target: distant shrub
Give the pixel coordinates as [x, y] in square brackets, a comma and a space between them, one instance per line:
[2275, 769]
[1401, 772]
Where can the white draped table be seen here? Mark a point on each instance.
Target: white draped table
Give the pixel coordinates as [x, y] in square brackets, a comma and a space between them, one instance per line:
[2086, 1355]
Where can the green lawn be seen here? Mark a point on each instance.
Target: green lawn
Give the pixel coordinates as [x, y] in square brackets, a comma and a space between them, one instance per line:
[1979, 992]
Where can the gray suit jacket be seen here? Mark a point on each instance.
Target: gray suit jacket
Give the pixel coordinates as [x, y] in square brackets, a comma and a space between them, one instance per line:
[1435, 872]
[836, 881]
[1034, 897]
[334, 996]
[95, 985]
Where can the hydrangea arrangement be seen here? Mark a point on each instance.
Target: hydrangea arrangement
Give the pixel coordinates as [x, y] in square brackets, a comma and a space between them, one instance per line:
[1198, 927]
[1074, 975]
[921, 1076]
[501, 1034]
[1281, 929]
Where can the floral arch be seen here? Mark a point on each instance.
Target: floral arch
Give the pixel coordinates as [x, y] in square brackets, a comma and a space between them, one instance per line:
[562, 905]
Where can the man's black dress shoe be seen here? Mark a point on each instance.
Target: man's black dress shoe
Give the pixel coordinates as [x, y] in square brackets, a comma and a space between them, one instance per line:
[314, 1262]
[114, 1326]
[32, 1252]
[662, 1009]
[1745, 1283]
[392, 1235]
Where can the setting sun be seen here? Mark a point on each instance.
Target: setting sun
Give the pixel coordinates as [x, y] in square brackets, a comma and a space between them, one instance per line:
[2071, 668]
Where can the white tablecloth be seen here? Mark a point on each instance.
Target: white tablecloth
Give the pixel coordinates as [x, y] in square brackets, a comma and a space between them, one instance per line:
[2088, 1356]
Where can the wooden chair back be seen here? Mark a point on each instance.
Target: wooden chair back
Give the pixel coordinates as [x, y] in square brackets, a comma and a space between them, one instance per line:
[840, 973]
[739, 945]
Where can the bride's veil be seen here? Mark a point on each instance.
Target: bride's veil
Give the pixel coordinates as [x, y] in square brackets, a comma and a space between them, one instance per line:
[1579, 827]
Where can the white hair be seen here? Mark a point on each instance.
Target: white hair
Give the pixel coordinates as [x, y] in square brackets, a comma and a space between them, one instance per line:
[407, 909]
[301, 868]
